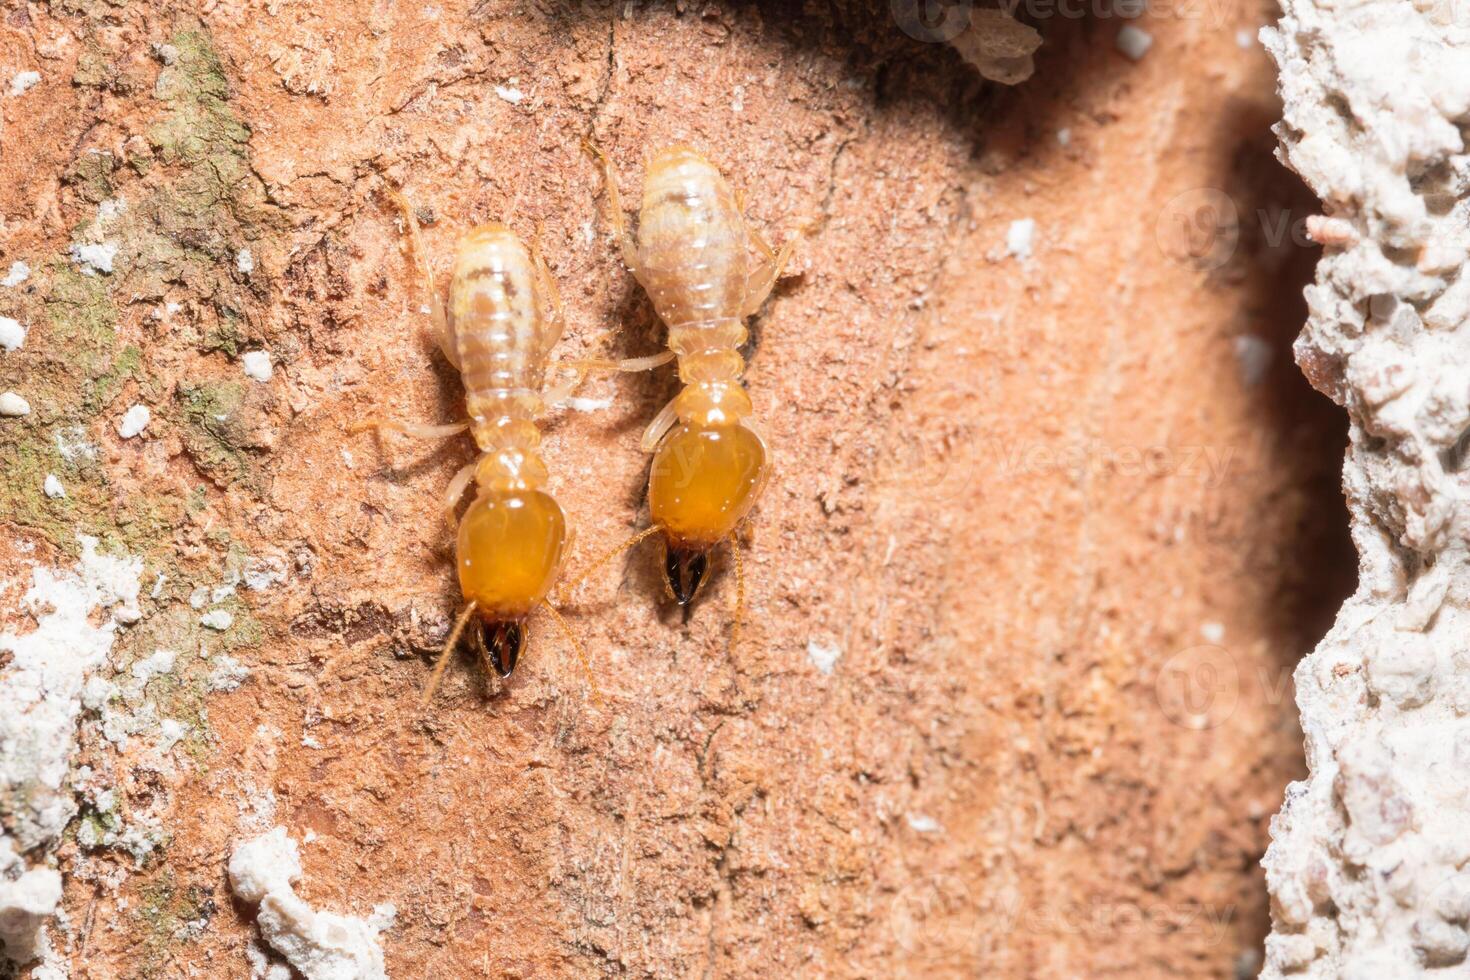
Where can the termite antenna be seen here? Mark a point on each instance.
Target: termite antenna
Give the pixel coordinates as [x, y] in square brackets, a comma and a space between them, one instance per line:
[566, 631]
[564, 593]
[411, 226]
[482, 653]
[449, 645]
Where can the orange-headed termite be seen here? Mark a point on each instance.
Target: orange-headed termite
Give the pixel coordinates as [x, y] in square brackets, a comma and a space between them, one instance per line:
[503, 318]
[692, 256]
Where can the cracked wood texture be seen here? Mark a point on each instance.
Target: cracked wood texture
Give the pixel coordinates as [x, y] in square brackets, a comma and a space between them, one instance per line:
[1011, 491]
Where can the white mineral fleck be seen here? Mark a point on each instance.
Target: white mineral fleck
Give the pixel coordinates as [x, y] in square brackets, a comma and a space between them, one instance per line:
[384, 915]
[589, 404]
[217, 619]
[52, 487]
[257, 365]
[263, 572]
[26, 904]
[170, 733]
[72, 444]
[24, 82]
[1021, 238]
[47, 669]
[12, 334]
[244, 262]
[134, 421]
[94, 258]
[824, 656]
[1253, 356]
[510, 93]
[159, 662]
[13, 406]
[227, 673]
[922, 824]
[97, 692]
[19, 273]
[1134, 42]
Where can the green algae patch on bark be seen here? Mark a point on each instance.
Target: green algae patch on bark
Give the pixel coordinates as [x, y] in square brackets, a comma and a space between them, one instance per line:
[190, 230]
[220, 427]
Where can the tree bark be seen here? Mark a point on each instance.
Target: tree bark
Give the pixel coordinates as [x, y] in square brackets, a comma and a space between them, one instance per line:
[1053, 513]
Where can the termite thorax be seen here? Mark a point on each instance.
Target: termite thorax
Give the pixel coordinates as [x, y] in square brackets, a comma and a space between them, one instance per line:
[511, 460]
[713, 403]
[714, 364]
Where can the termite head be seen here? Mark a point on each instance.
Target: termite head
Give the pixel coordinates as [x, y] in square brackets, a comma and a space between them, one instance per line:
[685, 570]
[509, 550]
[502, 641]
[707, 474]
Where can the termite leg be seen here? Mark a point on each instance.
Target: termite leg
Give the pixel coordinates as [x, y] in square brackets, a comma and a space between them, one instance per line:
[564, 592]
[449, 645]
[629, 365]
[759, 241]
[581, 366]
[556, 316]
[555, 396]
[762, 279]
[456, 490]
[443, 331]
[411, 429]
[576, 645]
[615, 216]
[661, 424]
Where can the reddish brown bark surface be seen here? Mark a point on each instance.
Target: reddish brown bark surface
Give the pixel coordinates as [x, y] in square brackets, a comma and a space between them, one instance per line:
[1013, 495]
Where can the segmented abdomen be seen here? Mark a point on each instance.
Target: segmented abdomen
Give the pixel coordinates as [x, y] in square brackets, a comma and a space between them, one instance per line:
[500, 334]
[692, 248]
[691, 240]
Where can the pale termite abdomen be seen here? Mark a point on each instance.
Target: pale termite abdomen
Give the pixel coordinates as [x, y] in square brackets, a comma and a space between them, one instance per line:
[692, 253]
[503, 336]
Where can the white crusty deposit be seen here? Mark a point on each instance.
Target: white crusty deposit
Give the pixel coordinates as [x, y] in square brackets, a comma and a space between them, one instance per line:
[321, 945]
[1369, 865]
[41, 689]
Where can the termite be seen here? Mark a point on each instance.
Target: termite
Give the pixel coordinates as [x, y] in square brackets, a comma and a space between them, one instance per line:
[503, 318]
[692, 256]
